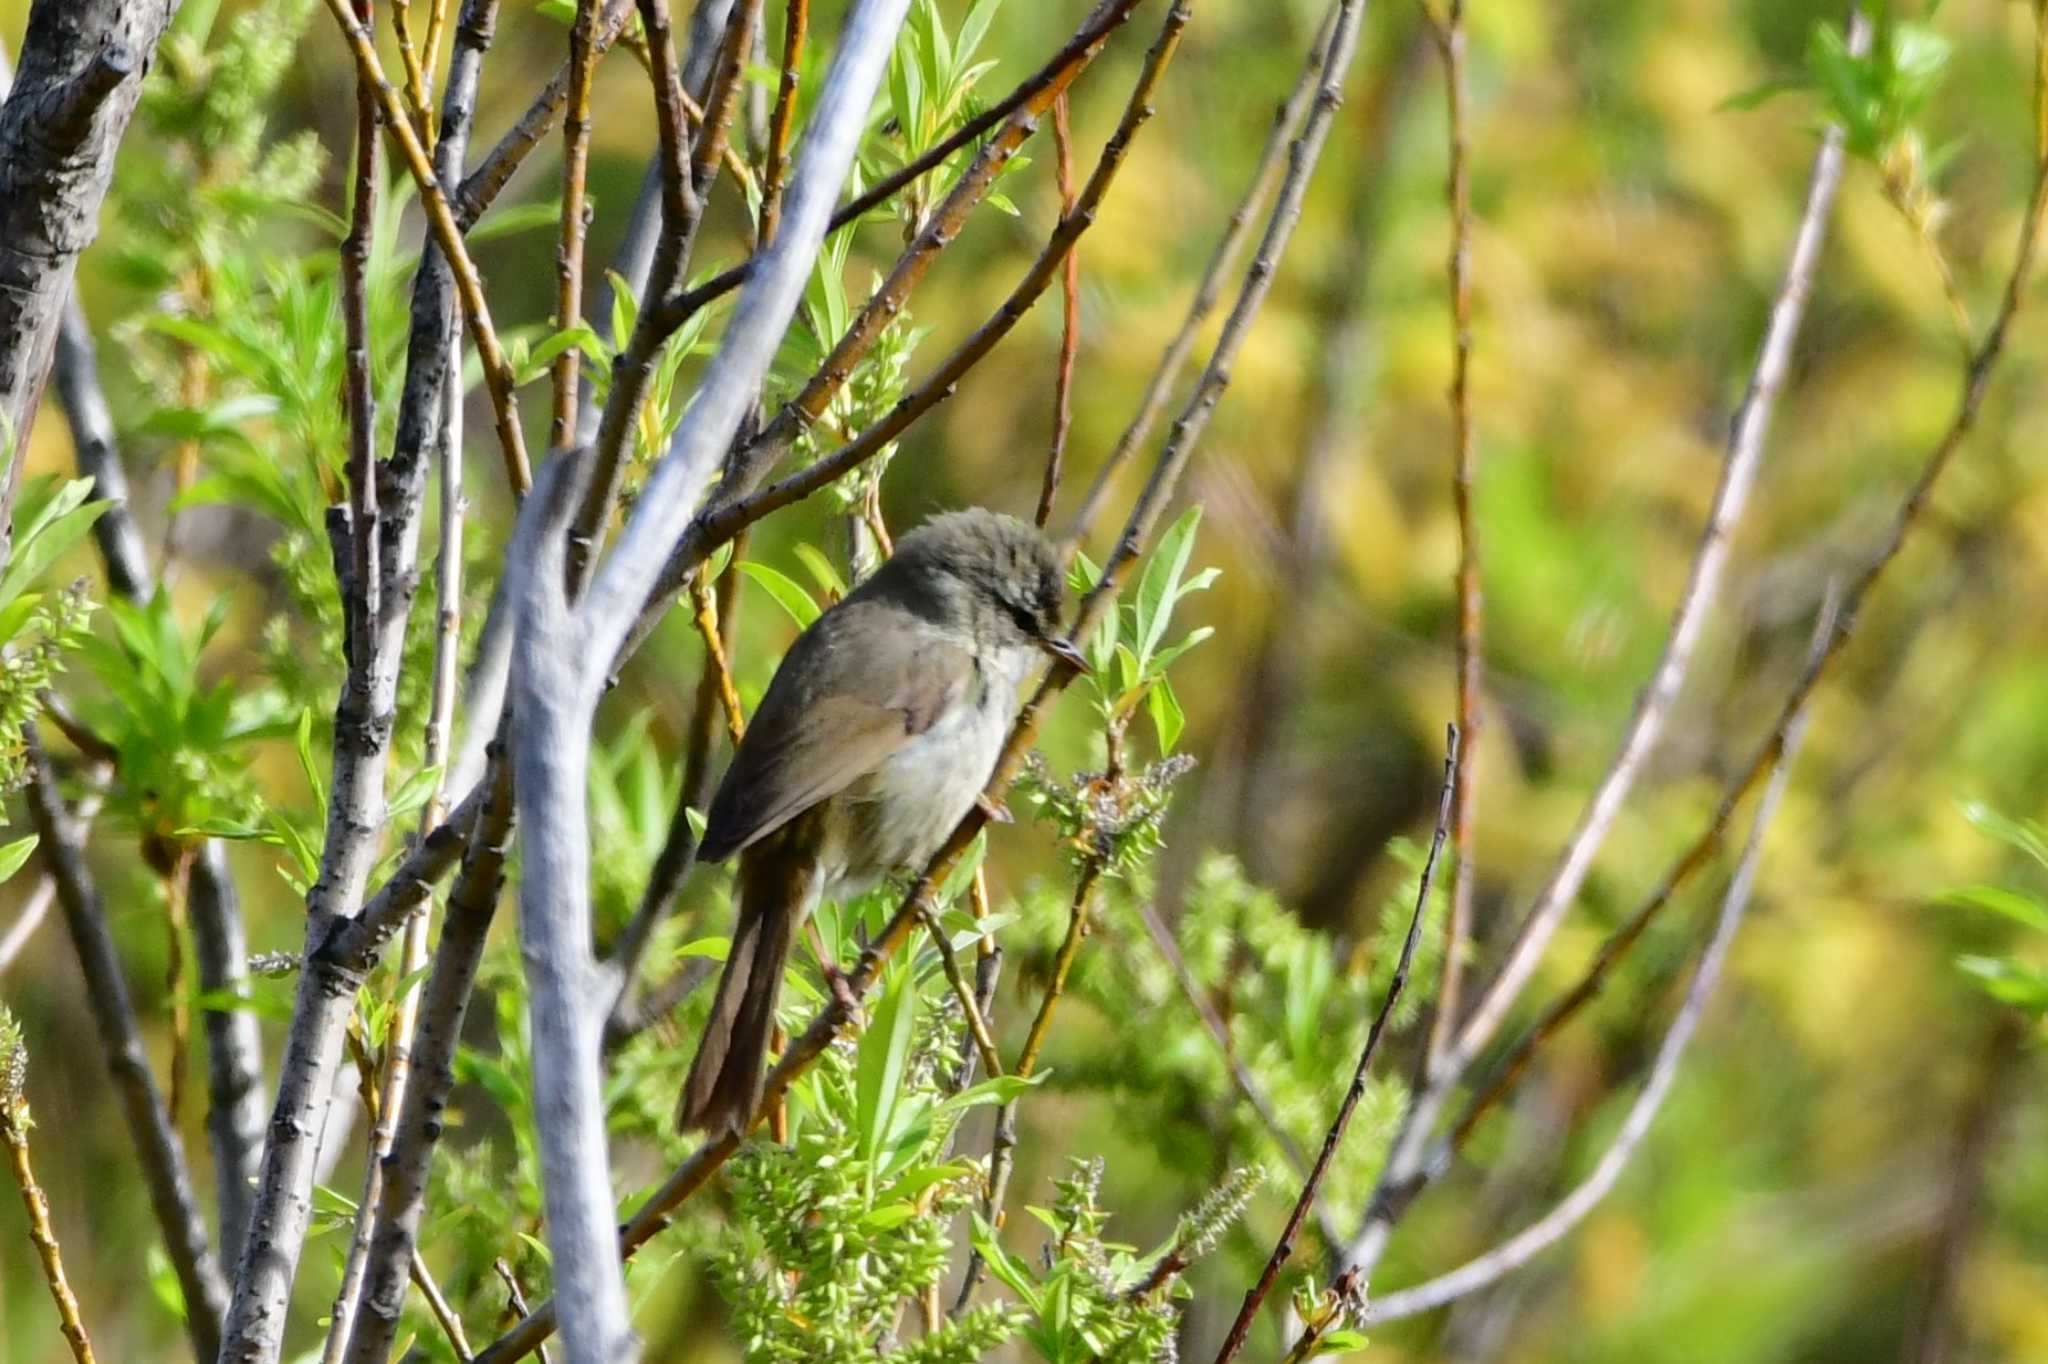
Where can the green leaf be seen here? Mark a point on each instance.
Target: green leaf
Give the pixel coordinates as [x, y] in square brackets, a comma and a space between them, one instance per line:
[2009, 982]
[1341, 1342]
[787, 592]
[1008, 1272]
[13, 855]
[1998, 900]
[503, 222]
[1168, 720]
[41, 549]
[821, 569]
[1159, 588]
[883, 1057]
[2021, 835]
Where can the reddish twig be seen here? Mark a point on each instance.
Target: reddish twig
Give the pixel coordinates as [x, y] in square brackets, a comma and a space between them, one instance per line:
[1070, 322]
[1450, 38]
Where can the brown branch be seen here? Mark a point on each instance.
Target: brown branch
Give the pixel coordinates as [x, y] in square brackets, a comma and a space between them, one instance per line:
[1450, 38]
[1283, 1248]
[970, 1007]
[1070, 322]
[685, 187]
[1003, 1144]
[447, 233]
[1553, 1226]
[568, 367]
[1067, 62]
[656, 1211]
[796, 21]
[1405, 1171]
[481, 187]
[1287, 121]
[15, 1124]
[760, 454]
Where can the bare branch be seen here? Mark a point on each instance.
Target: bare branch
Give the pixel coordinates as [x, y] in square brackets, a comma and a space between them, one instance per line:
[1286, 124]
[1553, 1226]
[1234, 1340]
[480, 188]
[15, 1124]
[568, 367]
[1450, 38]
[1738, 477]
[447, 234]
[405, 1164]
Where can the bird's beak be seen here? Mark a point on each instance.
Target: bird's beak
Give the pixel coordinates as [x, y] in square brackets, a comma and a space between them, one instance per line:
[1065, 650]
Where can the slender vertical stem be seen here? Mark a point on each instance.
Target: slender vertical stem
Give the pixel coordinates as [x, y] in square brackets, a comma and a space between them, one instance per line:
[796, 20]
[1234, 1340]
[447, 233]
[15, 1123]
[1450, 36]
[568, 368]
[1070, 321]
[1287, 120]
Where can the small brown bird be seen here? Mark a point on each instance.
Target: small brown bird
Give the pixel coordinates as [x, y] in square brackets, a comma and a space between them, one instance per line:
[877, 735]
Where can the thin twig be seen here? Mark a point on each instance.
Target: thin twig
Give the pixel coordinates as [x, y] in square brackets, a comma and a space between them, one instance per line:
[1731, 498]
[444, 1000]
[481, 187]
[686, 183]
[882, 308]
[970, 1007]
[1266, 174]
[1283, 1248]
[1070, 321]
[1450, 38]
[15, 1124]
[1003, 1142]
[631, 1012]
[1219, 1031]
[706, 604]
[1553, 1226]
[568, 367]
[447, 232]
[796, 21]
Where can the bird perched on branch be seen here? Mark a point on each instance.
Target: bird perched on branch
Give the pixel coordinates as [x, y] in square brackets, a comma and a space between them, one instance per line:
[878, 733]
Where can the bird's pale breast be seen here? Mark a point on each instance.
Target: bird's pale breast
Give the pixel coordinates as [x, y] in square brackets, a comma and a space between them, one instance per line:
[895, 818]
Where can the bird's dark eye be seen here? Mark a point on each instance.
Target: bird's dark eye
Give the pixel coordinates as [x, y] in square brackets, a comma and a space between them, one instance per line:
[1025, 620]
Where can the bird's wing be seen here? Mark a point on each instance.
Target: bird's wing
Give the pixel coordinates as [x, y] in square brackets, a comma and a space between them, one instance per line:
[854, 688]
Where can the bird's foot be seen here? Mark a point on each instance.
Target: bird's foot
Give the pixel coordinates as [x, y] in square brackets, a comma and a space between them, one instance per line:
[994, 810]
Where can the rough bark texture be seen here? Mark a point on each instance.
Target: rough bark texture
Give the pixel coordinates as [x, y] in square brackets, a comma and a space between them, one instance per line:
[81, 67]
